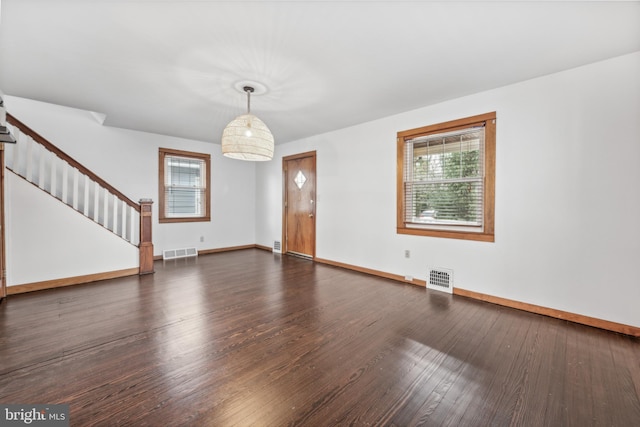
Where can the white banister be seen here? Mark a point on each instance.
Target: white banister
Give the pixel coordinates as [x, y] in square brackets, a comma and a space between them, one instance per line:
[39, 164]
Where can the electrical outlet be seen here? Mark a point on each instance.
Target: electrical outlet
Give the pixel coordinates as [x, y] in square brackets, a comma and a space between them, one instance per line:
[202, 238]
[408, 278]
[407, 253]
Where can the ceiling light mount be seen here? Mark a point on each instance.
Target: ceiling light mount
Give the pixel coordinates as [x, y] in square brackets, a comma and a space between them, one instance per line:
[258, 88]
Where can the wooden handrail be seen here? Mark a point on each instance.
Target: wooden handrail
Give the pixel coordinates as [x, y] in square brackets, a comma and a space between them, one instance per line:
[64, 156]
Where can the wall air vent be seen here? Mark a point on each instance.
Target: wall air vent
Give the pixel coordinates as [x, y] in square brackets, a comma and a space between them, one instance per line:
[179, 253]
[440, 279]
[277, 247]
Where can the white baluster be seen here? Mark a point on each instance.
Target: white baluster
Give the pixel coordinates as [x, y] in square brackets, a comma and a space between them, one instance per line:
[9, 148]
[8, 155]
[123, 226]
[136, 224]
[96, 202]
[65, 181]
[74, 201]
[53, 190]
[105, 199]
[41, 167]
[87, 183]
[16, 152]
[132, 226]
[29, 160]
[115, 214]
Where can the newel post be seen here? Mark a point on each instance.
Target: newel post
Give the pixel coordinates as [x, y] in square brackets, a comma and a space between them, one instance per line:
[146, 243]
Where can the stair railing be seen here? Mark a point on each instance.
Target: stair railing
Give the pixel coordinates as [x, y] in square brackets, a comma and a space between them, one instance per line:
[44, 165]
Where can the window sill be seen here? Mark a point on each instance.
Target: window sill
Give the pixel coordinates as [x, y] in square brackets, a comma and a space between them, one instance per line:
[448, 234]
[187, 219]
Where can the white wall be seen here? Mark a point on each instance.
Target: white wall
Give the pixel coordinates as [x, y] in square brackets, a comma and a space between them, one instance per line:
[128, 160]
[567, 197]
[567, 229]
[74, 245]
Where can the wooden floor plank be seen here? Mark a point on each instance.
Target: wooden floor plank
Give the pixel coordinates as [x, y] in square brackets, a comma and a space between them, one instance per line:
[250, 338]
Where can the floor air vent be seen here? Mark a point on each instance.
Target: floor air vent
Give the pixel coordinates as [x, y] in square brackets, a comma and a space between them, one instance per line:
[179, 253]
[440, 279]
[277, 247]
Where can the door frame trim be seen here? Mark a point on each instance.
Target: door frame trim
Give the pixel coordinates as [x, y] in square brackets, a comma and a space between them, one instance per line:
[285, 159]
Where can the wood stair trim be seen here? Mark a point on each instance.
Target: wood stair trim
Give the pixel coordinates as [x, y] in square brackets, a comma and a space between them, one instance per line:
[69, 281]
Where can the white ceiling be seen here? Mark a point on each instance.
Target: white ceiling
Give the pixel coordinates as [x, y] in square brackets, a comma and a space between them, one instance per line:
[170, 67]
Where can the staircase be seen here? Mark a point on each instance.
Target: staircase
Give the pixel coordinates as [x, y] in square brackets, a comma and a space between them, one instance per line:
[47, 167]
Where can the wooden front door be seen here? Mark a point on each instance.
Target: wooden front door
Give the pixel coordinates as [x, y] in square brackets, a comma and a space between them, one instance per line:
[300, 204]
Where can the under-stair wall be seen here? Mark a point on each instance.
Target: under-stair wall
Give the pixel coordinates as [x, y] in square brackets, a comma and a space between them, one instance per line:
[51, 245]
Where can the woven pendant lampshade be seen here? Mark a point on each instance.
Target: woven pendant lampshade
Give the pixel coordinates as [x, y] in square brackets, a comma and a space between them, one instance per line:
[247, 137]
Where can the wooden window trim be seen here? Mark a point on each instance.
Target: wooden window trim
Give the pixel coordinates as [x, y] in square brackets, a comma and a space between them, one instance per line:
[488, 233]
[162, 218]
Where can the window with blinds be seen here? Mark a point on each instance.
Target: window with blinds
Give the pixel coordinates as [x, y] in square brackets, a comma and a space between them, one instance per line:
[444, 176]
[184, 192]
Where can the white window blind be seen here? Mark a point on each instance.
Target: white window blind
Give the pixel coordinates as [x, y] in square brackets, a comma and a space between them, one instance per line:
[185, 186]
[444, 180]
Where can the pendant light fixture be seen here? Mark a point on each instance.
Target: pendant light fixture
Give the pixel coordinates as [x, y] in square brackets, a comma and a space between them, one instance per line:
[247, 137]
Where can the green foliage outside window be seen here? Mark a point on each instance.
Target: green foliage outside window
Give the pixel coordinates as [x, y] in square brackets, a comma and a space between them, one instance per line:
[453, 199]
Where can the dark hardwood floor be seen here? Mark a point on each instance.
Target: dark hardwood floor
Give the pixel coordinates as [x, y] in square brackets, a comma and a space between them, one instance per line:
[249, 338]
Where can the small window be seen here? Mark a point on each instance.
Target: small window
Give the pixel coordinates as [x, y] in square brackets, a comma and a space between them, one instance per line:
[446, 179]
[184, 186]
